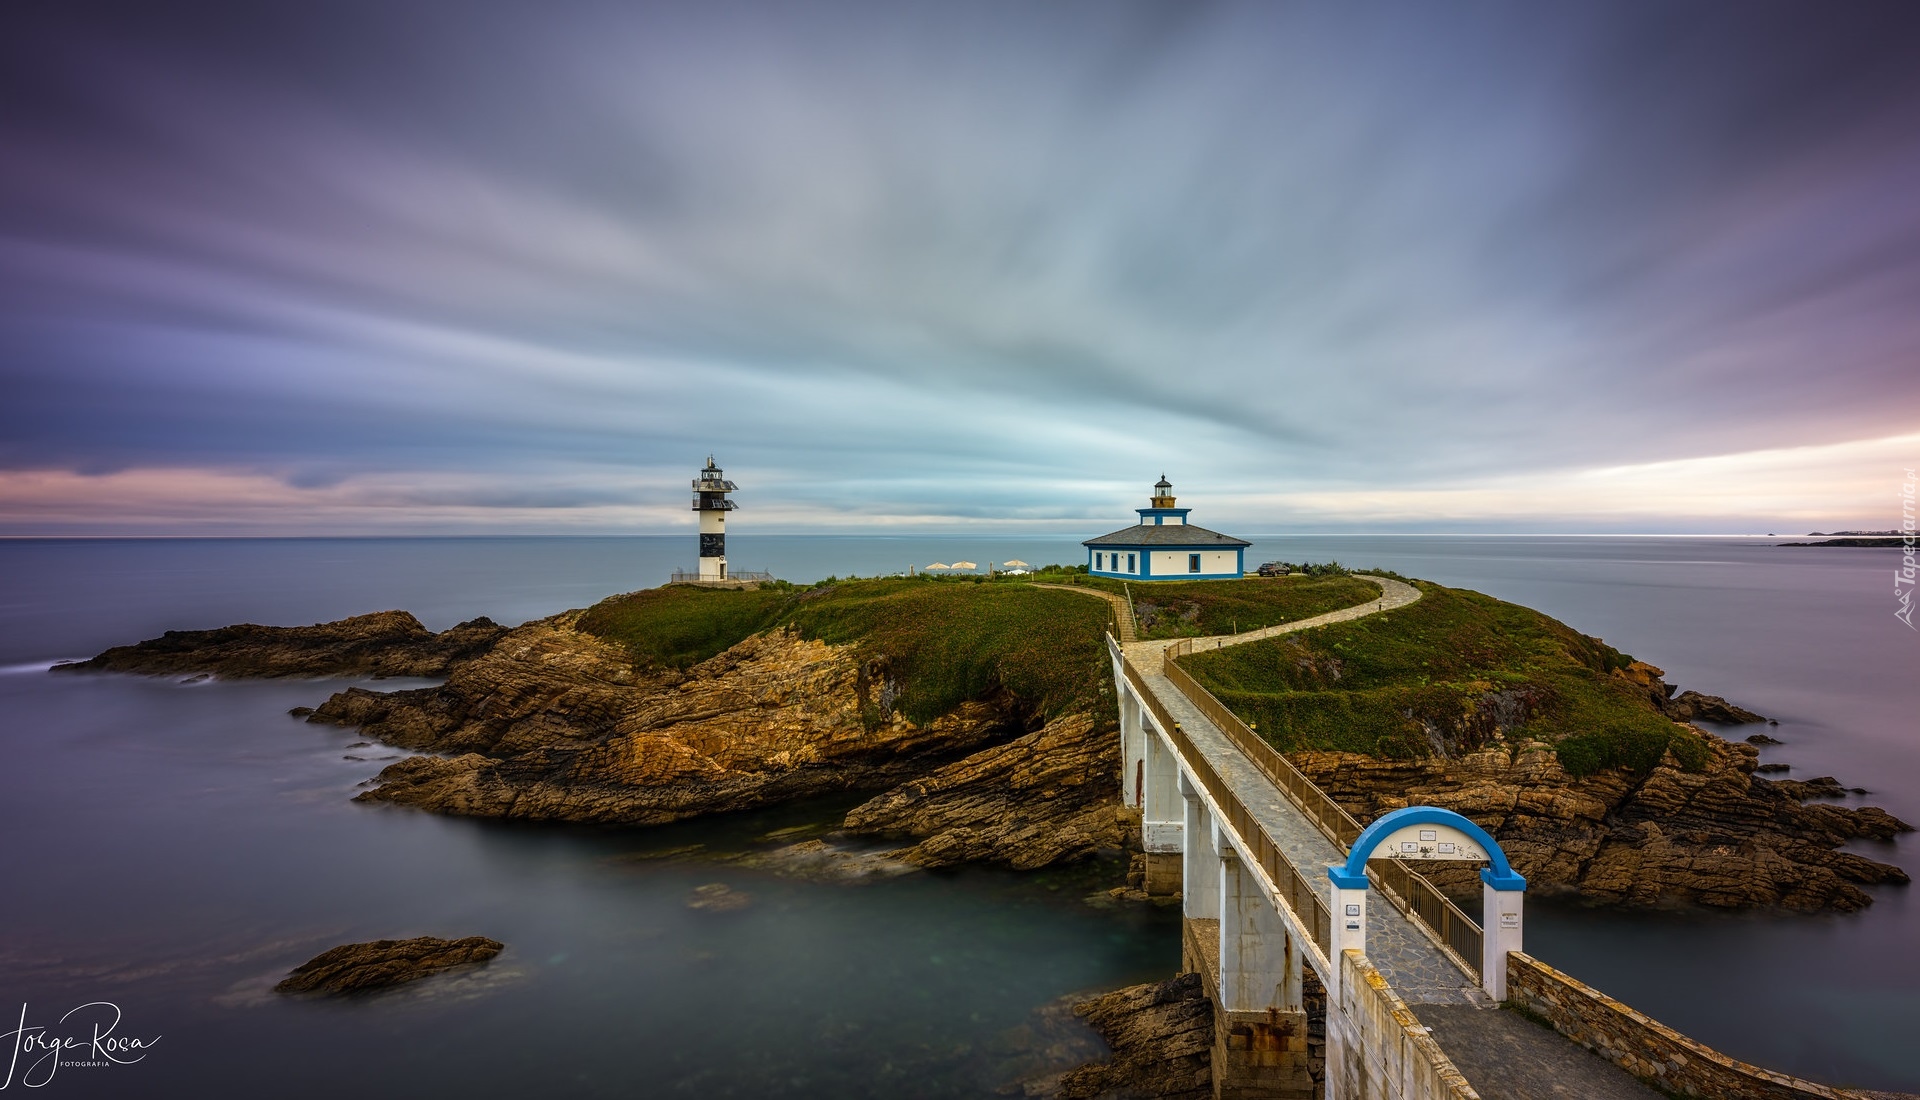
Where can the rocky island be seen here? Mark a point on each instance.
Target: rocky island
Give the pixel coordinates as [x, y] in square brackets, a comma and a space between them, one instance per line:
[978, 717]
[979, 714]
[383, 644]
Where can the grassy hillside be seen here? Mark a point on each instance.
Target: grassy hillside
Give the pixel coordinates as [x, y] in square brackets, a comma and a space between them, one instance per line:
[1454, 671]
[1188, 609]
[680, 625]
[945, 641]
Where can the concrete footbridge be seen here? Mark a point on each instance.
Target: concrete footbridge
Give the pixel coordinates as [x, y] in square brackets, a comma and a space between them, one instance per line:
[1290, 906]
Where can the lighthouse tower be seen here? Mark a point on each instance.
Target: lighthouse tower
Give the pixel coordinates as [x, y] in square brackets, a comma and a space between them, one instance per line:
[710, 500]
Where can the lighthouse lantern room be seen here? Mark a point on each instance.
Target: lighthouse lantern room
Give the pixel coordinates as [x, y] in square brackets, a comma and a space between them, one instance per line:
[710, 491]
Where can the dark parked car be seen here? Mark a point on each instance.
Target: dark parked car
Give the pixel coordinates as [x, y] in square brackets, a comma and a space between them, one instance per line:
[1275, 569]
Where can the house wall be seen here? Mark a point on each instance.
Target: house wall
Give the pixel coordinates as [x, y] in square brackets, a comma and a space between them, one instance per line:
[1172, 564]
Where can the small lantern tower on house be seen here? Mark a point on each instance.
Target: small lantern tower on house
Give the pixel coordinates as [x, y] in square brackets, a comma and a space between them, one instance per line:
[1163, 546]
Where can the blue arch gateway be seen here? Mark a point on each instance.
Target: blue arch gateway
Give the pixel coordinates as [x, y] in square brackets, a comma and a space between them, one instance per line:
[1419, 833]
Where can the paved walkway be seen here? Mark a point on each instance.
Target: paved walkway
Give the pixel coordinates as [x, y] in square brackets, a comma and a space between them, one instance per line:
[1393, 594]
[1502, 1054]
[1506, 1056]
[1403, 954]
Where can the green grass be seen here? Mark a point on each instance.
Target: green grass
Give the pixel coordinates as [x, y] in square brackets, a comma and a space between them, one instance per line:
[1453, 672]
[681, 625]
[942, 642]
[947, 643]
[1188, 609]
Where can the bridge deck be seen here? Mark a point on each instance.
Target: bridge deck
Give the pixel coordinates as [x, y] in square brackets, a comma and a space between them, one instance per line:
[1509, 1057]
[1503, 1055]
[1418, 971]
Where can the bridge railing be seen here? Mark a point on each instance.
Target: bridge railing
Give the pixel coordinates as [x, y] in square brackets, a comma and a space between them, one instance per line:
[1407, 889]
[1416, 896]
[1320, 808]
[681, 576]
[1293, 886]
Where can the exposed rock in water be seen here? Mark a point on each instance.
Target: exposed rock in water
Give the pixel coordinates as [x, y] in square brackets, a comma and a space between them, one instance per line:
[1721, 836]
[1048, 797]
[1691, 706]
[1162, 1040]
[1032, 1056]
[385, 643]
[822, 862]
[555, 724]
[1763, 739]
[1688, 706]
[361, 967]
[1825, 786]
[718, 897]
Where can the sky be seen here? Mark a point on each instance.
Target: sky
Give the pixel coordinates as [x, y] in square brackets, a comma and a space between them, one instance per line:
[519, 268]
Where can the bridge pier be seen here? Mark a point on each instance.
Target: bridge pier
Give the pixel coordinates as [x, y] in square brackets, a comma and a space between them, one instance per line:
[1133, 752]
[1200, 857]
[1163, 817]
[1260, 1022]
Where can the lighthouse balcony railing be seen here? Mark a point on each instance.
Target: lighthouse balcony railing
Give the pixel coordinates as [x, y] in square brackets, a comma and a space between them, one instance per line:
[722, 505]
[714, 485]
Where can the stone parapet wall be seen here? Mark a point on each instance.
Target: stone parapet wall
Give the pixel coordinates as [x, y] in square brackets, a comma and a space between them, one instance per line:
[1392, 1057]
[1644, 1047]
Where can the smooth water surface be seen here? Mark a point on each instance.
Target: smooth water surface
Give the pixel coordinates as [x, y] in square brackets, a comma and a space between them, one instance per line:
[174, 848]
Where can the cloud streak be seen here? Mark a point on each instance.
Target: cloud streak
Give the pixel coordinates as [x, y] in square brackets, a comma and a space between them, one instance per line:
[944, 263]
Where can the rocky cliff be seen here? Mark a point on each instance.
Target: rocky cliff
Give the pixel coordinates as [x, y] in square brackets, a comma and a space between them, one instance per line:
[385, 643]
[1050, 796]
[1720, 836]
[1688, 706]
[554, 724]
[1161, 1035]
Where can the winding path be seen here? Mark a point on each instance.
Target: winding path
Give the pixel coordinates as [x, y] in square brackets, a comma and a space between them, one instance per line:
[1122, 610]
[1148, 655]
[1503, 1055]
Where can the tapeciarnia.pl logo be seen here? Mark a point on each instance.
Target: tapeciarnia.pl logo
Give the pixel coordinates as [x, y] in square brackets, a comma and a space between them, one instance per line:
[1903, 577]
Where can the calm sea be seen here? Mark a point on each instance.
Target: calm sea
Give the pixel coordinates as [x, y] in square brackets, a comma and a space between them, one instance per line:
[173, 848]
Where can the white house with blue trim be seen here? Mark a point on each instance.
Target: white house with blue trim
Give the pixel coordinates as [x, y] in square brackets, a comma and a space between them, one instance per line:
[1163, 546]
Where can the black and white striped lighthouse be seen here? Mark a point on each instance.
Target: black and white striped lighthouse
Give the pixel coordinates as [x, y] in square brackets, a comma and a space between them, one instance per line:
[710, 500]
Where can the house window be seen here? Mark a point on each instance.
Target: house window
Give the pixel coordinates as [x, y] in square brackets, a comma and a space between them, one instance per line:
[1193, 563]
[1129, 563]
[1099, 561]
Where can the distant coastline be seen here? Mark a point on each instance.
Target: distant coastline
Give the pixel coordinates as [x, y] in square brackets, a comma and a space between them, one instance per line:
[1858, 540]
